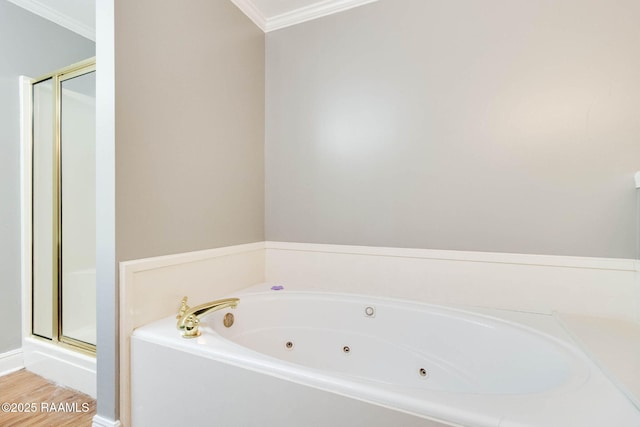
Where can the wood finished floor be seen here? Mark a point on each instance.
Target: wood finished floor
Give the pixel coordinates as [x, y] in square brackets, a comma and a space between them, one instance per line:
[47, 399]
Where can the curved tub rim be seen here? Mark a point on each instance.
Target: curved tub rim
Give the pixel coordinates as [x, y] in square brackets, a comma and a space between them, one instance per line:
[578, 373]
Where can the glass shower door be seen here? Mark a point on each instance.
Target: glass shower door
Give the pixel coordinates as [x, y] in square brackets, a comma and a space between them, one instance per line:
[78, 207]
[63, 207]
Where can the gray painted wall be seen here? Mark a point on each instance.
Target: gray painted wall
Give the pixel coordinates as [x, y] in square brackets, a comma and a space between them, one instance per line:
[501, 125]
[180, 116]
[189, 127]
[31, 46]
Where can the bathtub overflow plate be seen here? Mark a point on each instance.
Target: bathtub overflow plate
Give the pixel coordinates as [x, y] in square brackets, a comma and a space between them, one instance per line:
[228, 320]
[370, 311]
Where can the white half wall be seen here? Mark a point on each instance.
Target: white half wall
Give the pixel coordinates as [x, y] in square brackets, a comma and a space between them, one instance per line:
[532, 283]
[152, 288]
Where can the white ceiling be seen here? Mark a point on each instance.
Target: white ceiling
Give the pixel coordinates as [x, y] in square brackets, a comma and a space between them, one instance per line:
[79, 15]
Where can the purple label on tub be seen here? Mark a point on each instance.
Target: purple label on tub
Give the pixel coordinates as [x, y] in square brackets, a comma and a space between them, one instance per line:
[277, 287]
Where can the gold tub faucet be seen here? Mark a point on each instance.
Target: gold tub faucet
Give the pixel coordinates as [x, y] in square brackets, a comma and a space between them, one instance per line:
[189, 318]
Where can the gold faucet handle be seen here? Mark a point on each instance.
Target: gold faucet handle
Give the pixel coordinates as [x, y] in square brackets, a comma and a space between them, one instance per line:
[191, 327]
[183, 308]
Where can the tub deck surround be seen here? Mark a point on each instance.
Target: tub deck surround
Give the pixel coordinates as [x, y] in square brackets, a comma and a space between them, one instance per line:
[613, 344]
[482, 371]
[151, 289]
[258, 400]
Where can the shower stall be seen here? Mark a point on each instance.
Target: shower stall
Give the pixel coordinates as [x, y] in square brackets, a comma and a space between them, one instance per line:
[63, 212]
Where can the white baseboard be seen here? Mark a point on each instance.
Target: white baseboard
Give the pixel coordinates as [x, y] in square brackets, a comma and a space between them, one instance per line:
[99, 421]
[62, 366]
[11, 361]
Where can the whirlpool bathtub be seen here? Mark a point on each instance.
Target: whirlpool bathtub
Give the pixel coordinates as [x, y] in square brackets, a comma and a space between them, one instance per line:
[319, 359]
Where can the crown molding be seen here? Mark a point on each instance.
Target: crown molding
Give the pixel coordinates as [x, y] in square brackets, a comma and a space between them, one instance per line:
[52, 15]
[296, 16]
[314, 11]
[249, 8]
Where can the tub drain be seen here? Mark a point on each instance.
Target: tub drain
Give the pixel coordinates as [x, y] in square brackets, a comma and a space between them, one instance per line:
[289, 345]
[346, 349]
[423, 372]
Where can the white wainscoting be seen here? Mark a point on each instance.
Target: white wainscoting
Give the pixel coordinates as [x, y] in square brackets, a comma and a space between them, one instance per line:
[532, 283]
[11, 361]
[152, 288]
